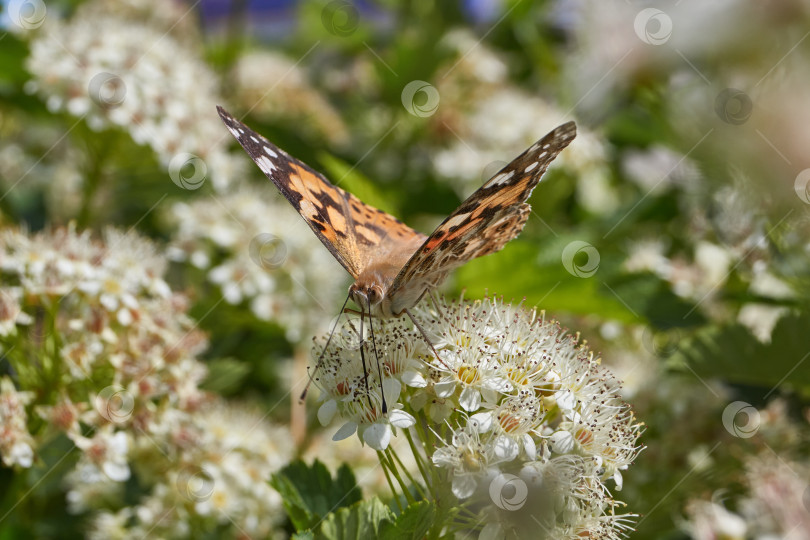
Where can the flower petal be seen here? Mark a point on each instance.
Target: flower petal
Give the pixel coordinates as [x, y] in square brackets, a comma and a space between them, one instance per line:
[116, 471]
[529, 447]
[327, 411]
[566, 400]
[401, 419]
[470, 399]
[617, 477]
[481, 422]
[391, 389]
[347, 430]
[445, 389]
[562, 442]
[414, 379]
[506, 449]
[463, 486]
[378, 435]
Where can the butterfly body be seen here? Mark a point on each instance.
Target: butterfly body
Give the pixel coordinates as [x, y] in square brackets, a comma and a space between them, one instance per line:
[393, 265]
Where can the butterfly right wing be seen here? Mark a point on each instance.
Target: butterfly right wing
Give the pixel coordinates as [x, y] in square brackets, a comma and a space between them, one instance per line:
[351, 230]
[483, 224]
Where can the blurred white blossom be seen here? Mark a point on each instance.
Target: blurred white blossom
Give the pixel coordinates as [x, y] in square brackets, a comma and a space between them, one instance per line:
[774, 506]
[273, 87]
[117, 70]
[490, 122]
[258, 251]
[16, 443]
[113, 356]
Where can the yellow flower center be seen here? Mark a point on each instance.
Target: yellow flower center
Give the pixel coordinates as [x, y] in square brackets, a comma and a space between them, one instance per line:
[468, 375]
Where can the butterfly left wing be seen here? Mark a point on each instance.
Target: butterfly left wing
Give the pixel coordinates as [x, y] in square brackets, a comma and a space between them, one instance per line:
[354, 232]
[483, 224]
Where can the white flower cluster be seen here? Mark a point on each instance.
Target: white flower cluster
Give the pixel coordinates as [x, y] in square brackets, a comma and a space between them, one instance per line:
[93, 326]
[16, 443]
[114, 70]
[498, 121]
[511, 399]
[225, 455]
[273, 87]
[775, 506]
[259, 251]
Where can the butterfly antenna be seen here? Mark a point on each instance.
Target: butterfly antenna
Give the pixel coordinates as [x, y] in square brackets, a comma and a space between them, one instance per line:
[424, 336]
[362, 354]
[377, 357]
[323, 352]
[436, 305]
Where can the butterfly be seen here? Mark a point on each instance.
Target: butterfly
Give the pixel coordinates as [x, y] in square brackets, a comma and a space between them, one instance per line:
[394, 266]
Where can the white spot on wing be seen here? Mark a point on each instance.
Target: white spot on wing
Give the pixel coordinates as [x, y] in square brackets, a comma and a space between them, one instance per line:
[530, 167]
[254, 139]
[265, 164]
[456, 220]
[269, 151]
[500, 179]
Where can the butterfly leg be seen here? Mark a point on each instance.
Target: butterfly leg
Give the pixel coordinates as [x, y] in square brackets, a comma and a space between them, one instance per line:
[363, 359]
[377, 357]
[355, 312]
[424, 336]
[323, 352]
[435, 302]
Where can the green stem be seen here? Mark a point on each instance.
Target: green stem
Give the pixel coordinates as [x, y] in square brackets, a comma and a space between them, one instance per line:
[381, 458]
[392, 453]
[417, 455]
[393, 469]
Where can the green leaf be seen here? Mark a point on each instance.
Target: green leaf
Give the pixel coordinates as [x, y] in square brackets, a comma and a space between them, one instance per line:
[730, 352]
[356, 183]
[225, 375]
[310, 493]
[363, 520]
[523, 269]
[412, 524]
[653, 299]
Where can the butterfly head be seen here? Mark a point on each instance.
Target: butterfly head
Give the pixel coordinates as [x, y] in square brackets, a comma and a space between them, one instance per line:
[366, 295]
[370, 296]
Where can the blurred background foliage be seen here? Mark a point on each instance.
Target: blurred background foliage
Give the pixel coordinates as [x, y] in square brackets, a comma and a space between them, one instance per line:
[673, 234]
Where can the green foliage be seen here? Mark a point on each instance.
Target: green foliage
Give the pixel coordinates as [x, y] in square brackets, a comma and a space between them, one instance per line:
[323, 507]
[310, 493]
[731, 353]
[412, 524]
[522, 271]
[353, 181]
[364, 519]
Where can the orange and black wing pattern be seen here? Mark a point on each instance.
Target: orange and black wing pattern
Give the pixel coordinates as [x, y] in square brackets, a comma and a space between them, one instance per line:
[351, 230]
[483, 224]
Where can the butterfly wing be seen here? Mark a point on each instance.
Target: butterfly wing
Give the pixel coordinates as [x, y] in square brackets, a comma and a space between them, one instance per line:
[483, 224]
[354, 232]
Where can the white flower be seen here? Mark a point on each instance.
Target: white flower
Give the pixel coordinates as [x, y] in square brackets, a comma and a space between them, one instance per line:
[516, 395]
[290, 283]
[292, 99]
[708, 520]
[108, 451]
[16, 444]
[498, 121]
[120, 70]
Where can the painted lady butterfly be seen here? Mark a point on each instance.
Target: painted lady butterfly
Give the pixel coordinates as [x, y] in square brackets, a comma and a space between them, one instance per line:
[393, 266]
